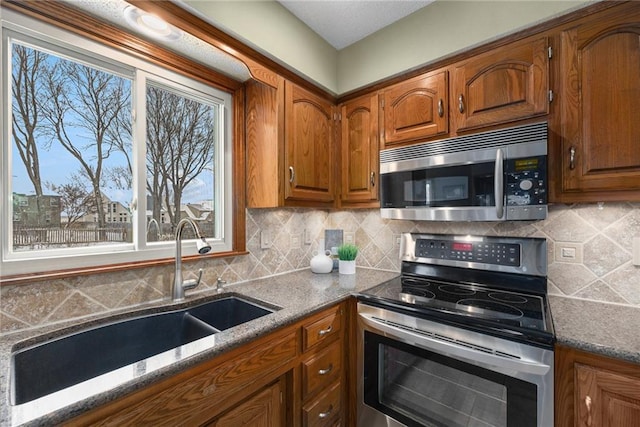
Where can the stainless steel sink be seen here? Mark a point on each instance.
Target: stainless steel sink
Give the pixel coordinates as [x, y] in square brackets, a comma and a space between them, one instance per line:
[54, 365]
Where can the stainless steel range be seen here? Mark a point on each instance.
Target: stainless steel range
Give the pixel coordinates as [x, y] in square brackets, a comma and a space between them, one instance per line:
[463, 337]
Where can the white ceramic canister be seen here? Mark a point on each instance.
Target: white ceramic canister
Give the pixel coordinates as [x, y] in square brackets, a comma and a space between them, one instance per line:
[322, 263]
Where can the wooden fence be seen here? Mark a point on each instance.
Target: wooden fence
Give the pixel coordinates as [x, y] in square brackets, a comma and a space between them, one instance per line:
[56, 236]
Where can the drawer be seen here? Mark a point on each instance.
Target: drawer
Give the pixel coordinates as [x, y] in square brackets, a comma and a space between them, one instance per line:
[326, 327]
[321, 369]
[323, 410]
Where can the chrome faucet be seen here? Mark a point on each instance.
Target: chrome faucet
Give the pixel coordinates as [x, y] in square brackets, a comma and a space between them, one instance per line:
[179, 286]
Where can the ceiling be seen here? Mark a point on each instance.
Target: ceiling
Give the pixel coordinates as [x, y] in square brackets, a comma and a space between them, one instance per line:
[344, 22]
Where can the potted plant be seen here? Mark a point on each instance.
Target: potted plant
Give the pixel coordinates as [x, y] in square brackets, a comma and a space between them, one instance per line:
[347, 258]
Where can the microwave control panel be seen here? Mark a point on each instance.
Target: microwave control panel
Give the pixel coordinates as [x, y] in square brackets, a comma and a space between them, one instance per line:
[484, 252]
[526, 181]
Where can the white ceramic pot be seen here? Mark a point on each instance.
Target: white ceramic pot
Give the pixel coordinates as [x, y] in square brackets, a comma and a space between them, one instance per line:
[347, 267]
[322, 263]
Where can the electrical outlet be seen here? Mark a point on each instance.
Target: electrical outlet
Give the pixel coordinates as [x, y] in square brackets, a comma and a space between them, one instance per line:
[350, 237]
[569, 252]
[397, 238]
[308, 239]
[265, 240]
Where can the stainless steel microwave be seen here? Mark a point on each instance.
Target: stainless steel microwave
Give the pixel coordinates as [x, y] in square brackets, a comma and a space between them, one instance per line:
[499, 175]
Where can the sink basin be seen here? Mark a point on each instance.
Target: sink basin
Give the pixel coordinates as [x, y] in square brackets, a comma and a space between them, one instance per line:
[228, 312]
[54, 365]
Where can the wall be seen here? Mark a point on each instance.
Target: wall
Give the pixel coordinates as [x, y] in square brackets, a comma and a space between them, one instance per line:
[437, 30]
[601, 271]
[272, 30]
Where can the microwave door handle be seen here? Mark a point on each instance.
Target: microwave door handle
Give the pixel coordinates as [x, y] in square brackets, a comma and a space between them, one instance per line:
[498, 184]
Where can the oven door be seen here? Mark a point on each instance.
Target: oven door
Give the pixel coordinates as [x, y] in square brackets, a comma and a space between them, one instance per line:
[416, 372]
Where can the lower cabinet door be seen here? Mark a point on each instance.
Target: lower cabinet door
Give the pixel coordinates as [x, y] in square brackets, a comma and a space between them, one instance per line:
[606, 399]
[263, 409]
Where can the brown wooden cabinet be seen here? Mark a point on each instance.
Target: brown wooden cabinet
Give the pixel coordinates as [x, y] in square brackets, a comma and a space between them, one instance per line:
[309, 145]
[415, 109]
[323, 378]
[501, 86]
[264, 409]
[359, 151]
[599, 156]
[595, 391]
[291, 151]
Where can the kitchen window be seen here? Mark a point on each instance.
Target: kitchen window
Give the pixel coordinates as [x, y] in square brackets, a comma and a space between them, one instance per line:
[99, 134]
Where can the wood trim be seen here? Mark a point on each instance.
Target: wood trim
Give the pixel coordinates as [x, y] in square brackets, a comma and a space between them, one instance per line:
[23, 279]
[261, 67]
[61, 15]
[68, 18]
[239, 172]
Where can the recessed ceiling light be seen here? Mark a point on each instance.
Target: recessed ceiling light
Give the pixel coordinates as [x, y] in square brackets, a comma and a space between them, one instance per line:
[150, 24]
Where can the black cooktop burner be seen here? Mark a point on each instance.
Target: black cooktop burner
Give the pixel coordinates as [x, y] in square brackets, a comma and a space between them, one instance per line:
[508, 308]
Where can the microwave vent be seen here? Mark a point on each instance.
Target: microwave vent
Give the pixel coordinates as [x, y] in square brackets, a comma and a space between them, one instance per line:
[493, 139]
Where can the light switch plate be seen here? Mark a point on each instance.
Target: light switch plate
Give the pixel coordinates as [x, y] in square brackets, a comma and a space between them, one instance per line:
[265, 240]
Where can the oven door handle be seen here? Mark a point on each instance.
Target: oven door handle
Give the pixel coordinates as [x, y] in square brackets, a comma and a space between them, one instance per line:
[488, 360]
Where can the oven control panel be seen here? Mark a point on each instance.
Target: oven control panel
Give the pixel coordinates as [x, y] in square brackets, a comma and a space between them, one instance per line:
[484, 252]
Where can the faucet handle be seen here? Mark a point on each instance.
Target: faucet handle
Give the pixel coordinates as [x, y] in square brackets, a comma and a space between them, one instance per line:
[192, 283]
[219, 284]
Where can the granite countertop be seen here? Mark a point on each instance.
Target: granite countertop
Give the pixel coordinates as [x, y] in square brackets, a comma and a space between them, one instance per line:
[297, 294]
[603, 328]
[607, 329]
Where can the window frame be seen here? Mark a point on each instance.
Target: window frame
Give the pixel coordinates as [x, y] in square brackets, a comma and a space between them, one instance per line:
[17, 270]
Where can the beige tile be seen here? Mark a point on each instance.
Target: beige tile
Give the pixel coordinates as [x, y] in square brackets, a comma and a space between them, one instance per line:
[600, 291]
[77, 305]
[569, 227]
[626, 282]
[33, 303]
[9, 324]
[570, 278]
[602, 256]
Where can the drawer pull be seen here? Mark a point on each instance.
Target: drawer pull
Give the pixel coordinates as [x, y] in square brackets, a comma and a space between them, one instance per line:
[323, 415]
[326, 371]
[323, 332]
[587, 402]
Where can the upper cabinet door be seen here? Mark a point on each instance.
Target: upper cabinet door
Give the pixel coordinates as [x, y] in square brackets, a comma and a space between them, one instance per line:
[504, 85]
[600, 114]
[309, 146]
[416, 109]
[360, 150]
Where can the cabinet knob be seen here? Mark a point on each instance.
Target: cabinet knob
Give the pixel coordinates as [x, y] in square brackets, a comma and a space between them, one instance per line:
[461, 104]
[572, 157]
[326, 414]
[441, 108]
[292, 174]
[373, 179]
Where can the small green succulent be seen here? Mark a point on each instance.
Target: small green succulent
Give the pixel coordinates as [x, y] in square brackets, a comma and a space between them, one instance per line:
[347, 252]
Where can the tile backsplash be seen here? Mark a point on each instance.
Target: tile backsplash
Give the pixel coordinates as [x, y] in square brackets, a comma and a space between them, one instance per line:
[590, 253]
